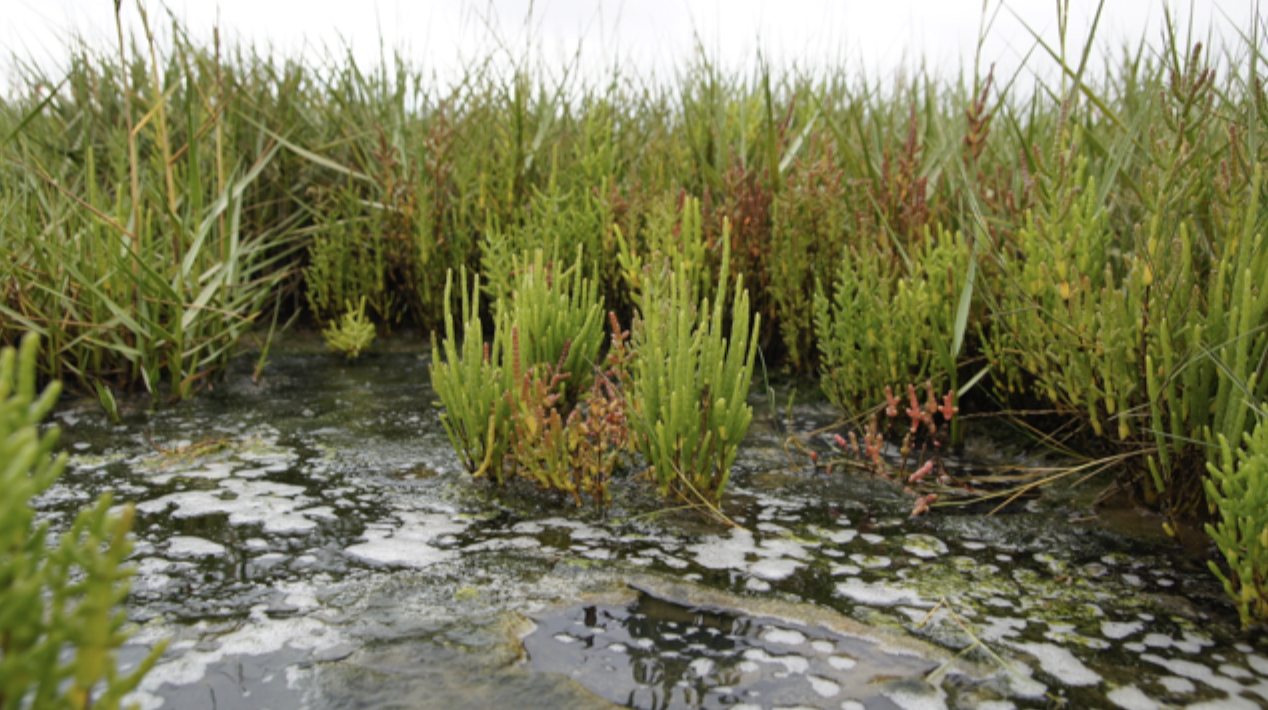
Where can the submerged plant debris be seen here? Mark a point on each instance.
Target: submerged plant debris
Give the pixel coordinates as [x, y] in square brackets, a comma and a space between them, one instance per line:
[330, 552]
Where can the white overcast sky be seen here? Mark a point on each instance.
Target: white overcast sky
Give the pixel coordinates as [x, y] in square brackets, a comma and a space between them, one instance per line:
[643, 36]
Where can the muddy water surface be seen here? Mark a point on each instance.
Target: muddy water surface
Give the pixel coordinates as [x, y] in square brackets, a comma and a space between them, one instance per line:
[311, 542]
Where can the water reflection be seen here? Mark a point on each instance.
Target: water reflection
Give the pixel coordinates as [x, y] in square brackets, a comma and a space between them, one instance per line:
[654, 654]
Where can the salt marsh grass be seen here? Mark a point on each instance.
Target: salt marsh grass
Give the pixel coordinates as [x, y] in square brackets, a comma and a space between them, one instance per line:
[1096, 241]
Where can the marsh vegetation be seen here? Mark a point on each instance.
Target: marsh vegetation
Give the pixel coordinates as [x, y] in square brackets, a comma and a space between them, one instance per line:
[609, 265]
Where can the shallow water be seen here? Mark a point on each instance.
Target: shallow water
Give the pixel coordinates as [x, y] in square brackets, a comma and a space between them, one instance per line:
[321, 548]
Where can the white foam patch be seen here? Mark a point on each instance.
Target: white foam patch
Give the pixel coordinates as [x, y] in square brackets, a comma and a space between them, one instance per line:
[794, 665]
[1120, 629]
[674, 562]
[408, 545]
[824, 687]
[1130, 697]
[871, 561]
[701, 667]
[839, 570]
[1060, 663]
[925, 546]
[1258, 663]
[506, 543]
[908, 699]
[1193, 643]
[996, 705]
[853, 705]
[716, 552]
[263, 635]
[1230, 703]
[321, 512]
[873, 538]
[823, 646]
[787, 637]
[185, 547]
[841, 537]
[1195, 671]
[756, 585]
[586, 532]
[879, 594]
[561, 523]
[775, 570]
[1177, 685]
[266, 503]
[214, 471]
[1233, 671]
[782, 547]
[842, 663]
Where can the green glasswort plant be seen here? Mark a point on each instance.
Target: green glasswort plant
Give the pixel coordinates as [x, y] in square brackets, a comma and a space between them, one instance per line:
[690, 381]
[514, 394]
[887, 321]
[352, 334]
[1238, 491]
[60, 624]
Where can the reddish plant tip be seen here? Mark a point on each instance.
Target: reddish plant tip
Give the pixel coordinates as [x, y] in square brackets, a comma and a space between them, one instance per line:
[922, 504]
[839, 441]
[891, 403]
[914, 411]
[948, 406]
[921, 472]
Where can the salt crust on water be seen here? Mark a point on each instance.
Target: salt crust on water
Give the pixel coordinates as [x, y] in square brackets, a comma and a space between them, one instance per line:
[1202, 674]
[407, 546]
[1177, 685]
[1060, 663]
[925, 546]
[701, 667]
[733, 551]
[1230, 703]
[1233, 671]
[184, 547]
[756, 585]
[823, 686]
[774, 570]
[908, 700]
[842, 663]
[786, 637]
[1129, 697]
[871, 561]
[792, 664]
[822, 646]
[262, 636]
[273, 505]
[1120, 630]
[1001, 627]
[839, 537]
[879, 594]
